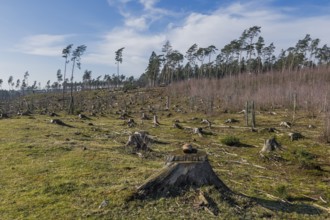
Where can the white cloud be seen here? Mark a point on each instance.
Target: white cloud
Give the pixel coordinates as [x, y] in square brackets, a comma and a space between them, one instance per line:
[137, 23]
[148, 4]
[139, 19]
[138, 47]
[217, 28]
[42, 44]
[226, 24]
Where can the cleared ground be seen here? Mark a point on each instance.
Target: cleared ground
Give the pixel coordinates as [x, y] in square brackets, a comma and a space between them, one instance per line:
[50, 171]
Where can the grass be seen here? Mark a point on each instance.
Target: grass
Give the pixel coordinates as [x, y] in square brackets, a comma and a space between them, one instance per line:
[54, 172]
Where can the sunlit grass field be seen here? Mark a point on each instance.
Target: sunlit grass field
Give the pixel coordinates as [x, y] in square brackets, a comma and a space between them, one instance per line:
[50, 171]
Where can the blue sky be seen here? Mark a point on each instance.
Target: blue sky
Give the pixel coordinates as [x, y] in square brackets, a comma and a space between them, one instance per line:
[34, 32]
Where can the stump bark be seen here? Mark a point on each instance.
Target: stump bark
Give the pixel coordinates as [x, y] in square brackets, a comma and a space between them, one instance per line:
[182, 171]
[270, 145]
[285, 124]
[139, 140]
[131, 123]
[155, 121]
[59, 122]
[205, 121]
[295, 136]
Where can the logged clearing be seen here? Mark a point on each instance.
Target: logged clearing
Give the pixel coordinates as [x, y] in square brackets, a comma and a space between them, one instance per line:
[71, 167]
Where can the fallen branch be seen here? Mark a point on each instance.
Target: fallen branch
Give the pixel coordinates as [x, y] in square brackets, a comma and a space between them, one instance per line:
[321, 207]
[310, 197]
[323, 200]
[229, 153]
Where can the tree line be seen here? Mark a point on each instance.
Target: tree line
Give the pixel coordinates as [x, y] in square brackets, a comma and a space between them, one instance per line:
[247, 54]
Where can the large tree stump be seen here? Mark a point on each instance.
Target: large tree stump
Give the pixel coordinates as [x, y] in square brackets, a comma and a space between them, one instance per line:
[182, 171]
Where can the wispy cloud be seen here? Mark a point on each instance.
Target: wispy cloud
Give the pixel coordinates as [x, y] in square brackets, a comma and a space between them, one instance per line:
[136, 52]
[42, 44]
[215, 28]
[142, 18]
[139, 23]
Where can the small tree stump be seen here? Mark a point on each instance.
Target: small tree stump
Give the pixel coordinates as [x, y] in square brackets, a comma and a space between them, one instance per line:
[144, 117]
[295, 136]
[56, 121]
[205, 121]
[53, 114]
[82, 116]
[139, 140]
[124, 116]
[231, 120]
[270, 145]
[131, 123]
[176, 125]
[155, 121]
[167, 107]
[198, 131]
[242, 112]
[285, 124]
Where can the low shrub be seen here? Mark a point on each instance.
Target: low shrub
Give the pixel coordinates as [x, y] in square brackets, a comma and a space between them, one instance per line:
[306, 160]
[230, 141]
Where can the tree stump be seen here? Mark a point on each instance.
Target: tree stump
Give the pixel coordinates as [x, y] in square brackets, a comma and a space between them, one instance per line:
[144, 117]
[59, 122]
[139, 140]
[53, 114]
[270, 145]
[231, 120]
[198, 131]
[177, 125]
[131, 123]
[155, 121]
[205, 121]
[184, 168]
[295, 136]
[82, 116]
[285, 124]
[167, 107]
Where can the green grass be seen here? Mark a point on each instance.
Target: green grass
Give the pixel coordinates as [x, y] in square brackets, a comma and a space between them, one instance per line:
[47, 174]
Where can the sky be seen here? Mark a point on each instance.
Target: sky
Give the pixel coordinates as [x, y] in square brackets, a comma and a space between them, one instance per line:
[33, 33]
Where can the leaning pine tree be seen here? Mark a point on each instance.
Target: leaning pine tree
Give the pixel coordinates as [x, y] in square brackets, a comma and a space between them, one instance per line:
[76, 56]
[65, 54]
